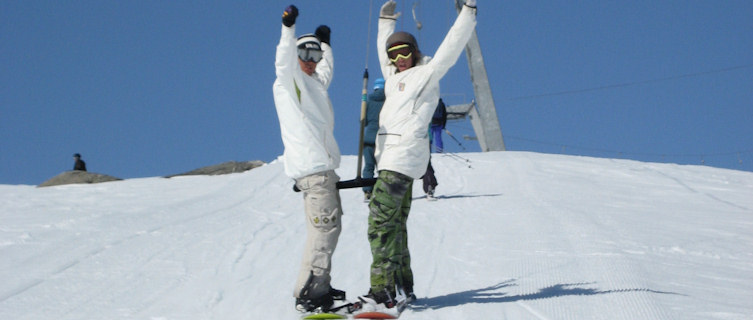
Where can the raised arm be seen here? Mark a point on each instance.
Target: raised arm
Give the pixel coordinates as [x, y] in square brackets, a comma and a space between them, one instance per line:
[325, 69]
[455, 40]
[387, 20]
[285, 57]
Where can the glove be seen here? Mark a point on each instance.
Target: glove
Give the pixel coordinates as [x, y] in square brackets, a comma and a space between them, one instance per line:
[322, 33]
[470, 3]
[388, 10]
[289, 15]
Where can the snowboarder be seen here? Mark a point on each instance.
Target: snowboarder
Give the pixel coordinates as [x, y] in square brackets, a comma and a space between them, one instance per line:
[304, 69]
[78, 164]
[373, 107]
[412, 92]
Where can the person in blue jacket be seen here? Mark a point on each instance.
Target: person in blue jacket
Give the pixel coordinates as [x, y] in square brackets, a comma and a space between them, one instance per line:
[373, 107]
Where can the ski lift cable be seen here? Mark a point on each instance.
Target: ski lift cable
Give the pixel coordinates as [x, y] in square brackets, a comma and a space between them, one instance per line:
[368, 35]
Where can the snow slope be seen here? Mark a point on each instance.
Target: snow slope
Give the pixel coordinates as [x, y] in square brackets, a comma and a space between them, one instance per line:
[514, 235]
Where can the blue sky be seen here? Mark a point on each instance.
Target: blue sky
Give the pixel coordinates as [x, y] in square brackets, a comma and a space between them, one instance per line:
[152, 88]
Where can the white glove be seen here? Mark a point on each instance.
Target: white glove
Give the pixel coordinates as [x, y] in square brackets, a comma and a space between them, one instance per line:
[470, 3]
[388, 10]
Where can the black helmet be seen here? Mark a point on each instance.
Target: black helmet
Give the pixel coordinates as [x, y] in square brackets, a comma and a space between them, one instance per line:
[77, 155]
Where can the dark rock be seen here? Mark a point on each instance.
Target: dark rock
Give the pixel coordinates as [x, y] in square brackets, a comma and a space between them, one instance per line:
[77, 177]
[222, 168]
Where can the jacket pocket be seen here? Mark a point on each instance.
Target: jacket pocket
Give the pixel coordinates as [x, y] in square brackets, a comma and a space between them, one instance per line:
[389, 138]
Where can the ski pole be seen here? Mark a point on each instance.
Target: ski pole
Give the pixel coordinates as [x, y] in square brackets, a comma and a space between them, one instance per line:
[458, 158]
[364, 93]
[453, 138]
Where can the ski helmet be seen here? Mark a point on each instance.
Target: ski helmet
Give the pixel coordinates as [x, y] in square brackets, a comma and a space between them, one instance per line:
[402, 37]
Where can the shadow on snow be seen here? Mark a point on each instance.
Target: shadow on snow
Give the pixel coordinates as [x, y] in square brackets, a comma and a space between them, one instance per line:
[459, 196]
[493, 294]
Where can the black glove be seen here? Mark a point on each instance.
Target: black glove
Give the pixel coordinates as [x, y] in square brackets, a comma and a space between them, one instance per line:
[322, 33]
[289, 15]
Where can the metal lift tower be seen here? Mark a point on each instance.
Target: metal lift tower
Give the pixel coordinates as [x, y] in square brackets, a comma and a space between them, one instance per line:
[484, 117]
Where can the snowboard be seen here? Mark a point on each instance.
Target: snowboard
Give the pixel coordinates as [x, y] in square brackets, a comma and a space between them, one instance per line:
[339, 310]
[325, 315]
[374, 315]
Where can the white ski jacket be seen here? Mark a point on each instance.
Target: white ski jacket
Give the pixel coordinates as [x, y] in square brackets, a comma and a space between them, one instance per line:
[412, 95]
[305, 112]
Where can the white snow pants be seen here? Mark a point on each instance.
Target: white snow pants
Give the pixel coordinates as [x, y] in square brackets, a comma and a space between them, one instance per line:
[321, 201]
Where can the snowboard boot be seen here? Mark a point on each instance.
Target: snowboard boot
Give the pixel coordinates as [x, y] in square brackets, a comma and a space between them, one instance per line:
[320, 304]
[336, 294]
[382, 301]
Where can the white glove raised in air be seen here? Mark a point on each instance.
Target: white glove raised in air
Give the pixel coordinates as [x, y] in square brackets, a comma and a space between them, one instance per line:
[388, 10]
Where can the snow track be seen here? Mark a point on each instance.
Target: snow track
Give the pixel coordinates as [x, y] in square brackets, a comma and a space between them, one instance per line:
[513, 236]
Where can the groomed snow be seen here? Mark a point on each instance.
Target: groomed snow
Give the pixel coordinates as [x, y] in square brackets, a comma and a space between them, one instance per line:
[514, 235]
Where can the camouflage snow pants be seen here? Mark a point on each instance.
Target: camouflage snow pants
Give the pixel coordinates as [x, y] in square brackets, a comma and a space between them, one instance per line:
[388, 235]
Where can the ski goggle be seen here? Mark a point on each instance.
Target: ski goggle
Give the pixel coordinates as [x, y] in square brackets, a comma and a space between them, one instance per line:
[402, 51]
[313, 55]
